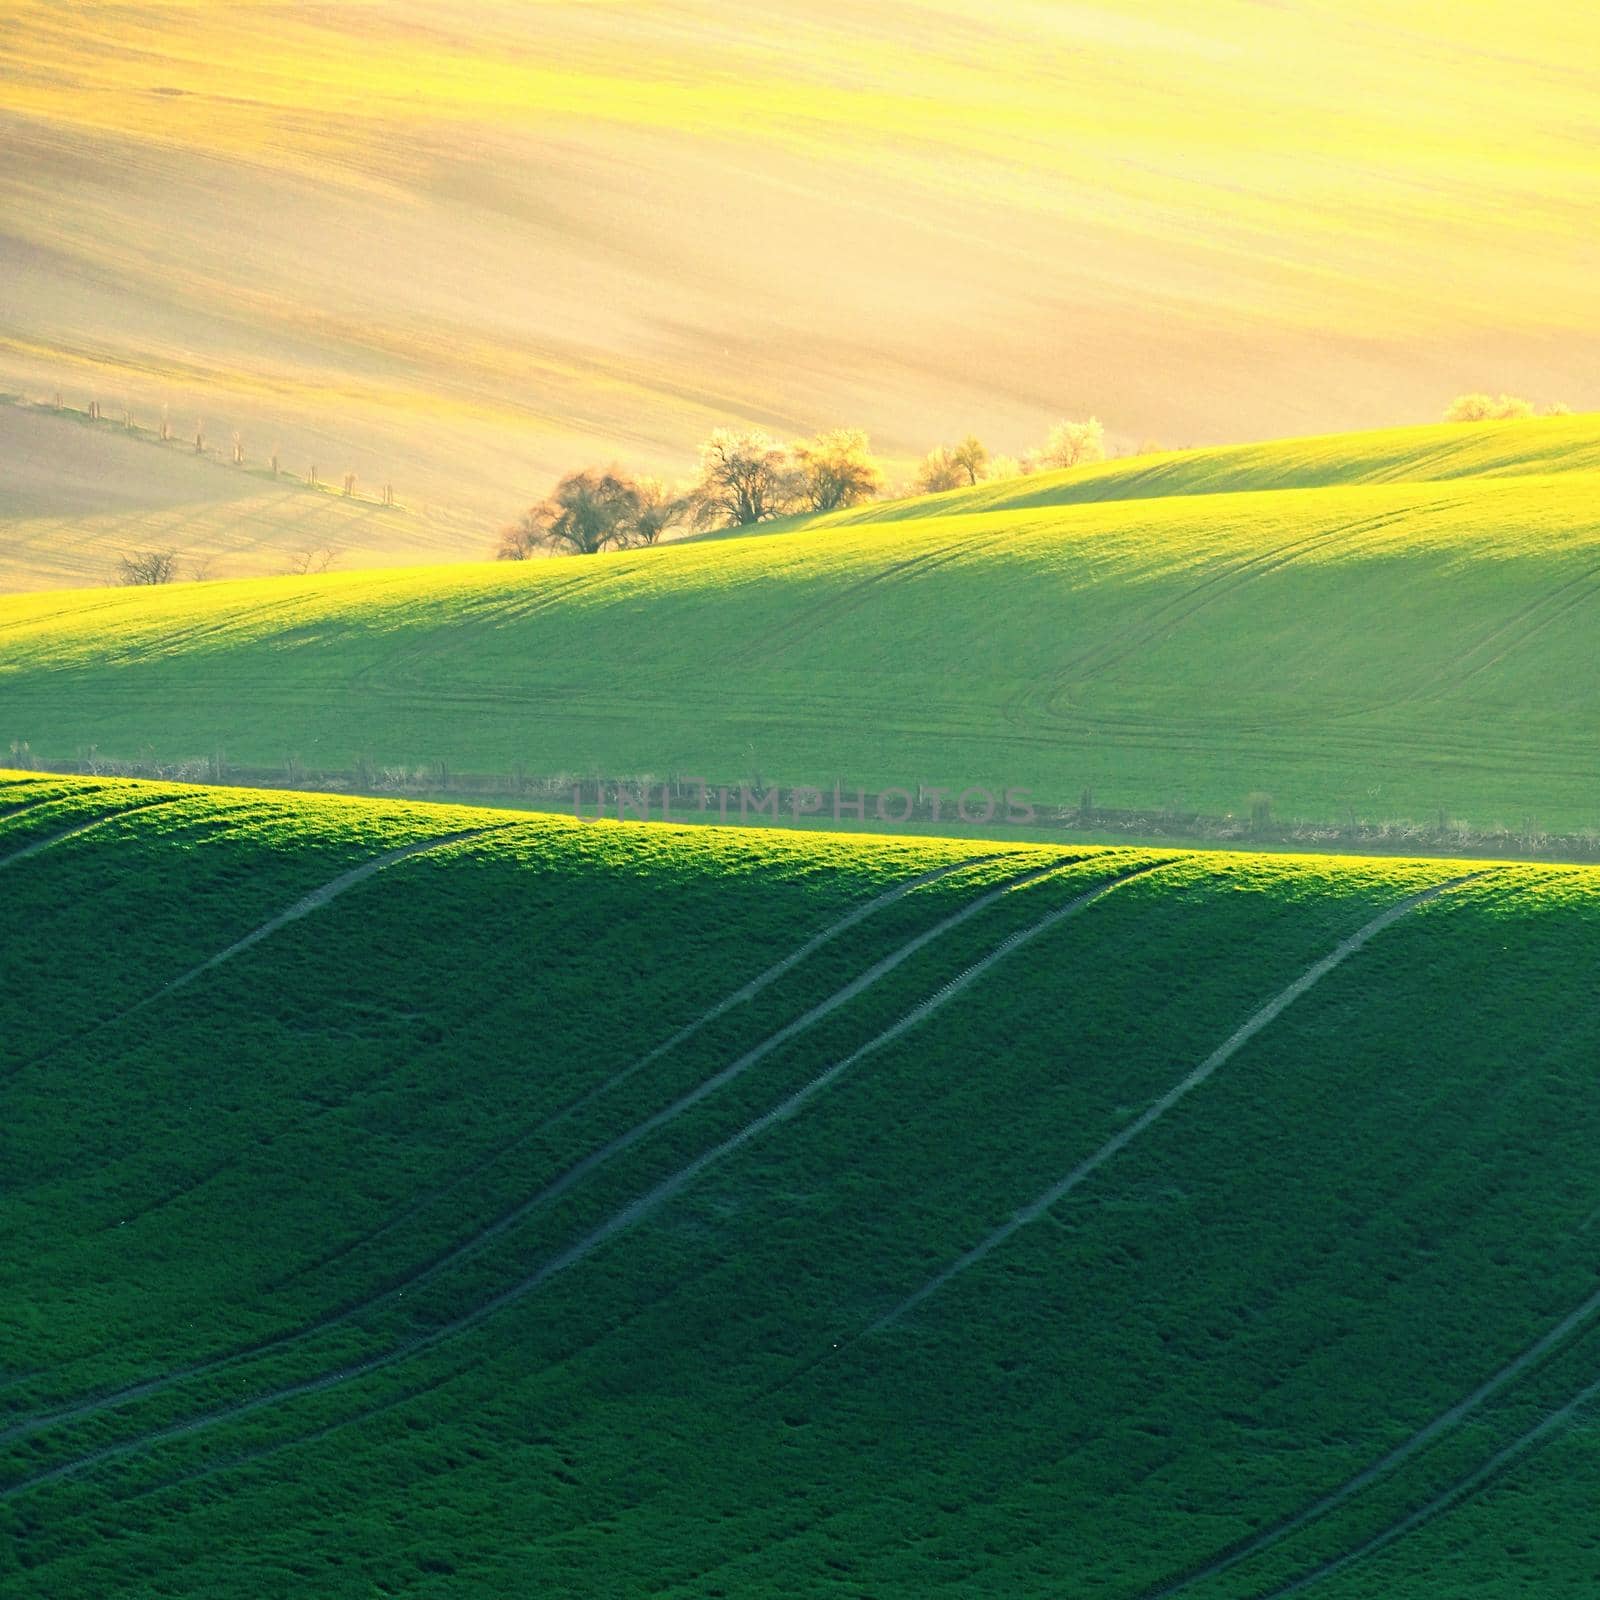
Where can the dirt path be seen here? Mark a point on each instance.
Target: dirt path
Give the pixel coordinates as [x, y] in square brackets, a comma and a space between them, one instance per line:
[635, 1210]
[1268, 1013]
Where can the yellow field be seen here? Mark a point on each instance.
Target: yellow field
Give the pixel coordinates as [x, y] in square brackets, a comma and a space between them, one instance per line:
[467, 250]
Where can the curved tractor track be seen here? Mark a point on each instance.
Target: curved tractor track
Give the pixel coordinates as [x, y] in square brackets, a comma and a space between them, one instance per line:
[303, 907]
[623, 1075]
[1042, 1203]
[636, 1210]
[396, 1288]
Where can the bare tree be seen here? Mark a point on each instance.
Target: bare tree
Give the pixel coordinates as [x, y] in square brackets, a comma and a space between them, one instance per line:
[585, 512]
[658, 509]
[305, 562]
[147, 567]
[972, 457]
[939, 471]
[520, 539]
[837, 469]
[744, 479]
[1071, 443]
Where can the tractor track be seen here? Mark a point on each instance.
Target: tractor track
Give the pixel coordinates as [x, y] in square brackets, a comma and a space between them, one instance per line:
[1266, 1014]
[396, 1288]
[617, 1079]
[625, 1217]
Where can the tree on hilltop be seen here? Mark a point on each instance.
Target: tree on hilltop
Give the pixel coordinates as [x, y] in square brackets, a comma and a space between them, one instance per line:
[585, 512]
[659, 508]
[147, 567]
[745, 478]
[939, 471]
[1070, 444]
[972, 457]
[837, 469]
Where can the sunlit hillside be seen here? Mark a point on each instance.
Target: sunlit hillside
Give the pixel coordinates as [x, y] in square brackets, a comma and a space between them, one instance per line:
[1404, 632]
[470, 247]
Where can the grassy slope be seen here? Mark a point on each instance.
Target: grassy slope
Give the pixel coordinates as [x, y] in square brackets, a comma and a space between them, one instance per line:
[1395, 648]
[75, 496]
[1325, 1246]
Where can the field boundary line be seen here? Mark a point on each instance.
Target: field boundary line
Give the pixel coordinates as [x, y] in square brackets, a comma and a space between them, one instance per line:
[620, 1220]
[395, 1287]
[1236, 1041]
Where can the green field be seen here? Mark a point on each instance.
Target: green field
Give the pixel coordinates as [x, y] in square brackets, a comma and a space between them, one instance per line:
[915, 1217]
[1378, 626]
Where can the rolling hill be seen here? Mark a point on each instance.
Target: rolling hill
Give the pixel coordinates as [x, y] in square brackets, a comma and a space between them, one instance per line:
[916, 1217]
[470, 250]
[77, 494]
[1383, 626]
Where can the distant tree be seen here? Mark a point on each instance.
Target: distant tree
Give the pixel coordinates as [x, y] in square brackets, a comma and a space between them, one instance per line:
[972, 457]
[1486, 408]
[1558, 408]
[939, 471]
[148, 567]
[1003, 467]
[585, 512]
[658, 509]
[745, 478]
[1071, 443]
[837, 469]
[520, 539]
[305, 562]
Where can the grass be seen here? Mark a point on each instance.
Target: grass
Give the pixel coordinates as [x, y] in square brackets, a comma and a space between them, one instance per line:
[279, 1311]
[1398, 628]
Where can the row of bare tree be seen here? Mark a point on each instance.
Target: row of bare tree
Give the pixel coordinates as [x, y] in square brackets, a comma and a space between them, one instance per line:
[746, 476]
[148, 568]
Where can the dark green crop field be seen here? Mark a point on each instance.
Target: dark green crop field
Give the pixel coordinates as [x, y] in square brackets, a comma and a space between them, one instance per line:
[400, 1200]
